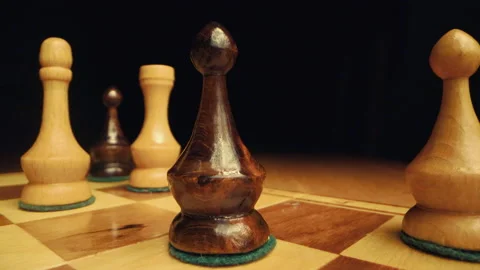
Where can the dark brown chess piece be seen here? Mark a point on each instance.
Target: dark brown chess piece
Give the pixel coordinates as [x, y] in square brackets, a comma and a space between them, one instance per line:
[111, 158]
[215, 180]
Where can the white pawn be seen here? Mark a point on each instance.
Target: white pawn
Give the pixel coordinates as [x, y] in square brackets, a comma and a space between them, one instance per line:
[56, 165]
[155, 150]
[444, 177]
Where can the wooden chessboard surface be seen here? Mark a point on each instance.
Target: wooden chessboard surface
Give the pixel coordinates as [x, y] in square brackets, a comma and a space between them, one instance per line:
[324, 227]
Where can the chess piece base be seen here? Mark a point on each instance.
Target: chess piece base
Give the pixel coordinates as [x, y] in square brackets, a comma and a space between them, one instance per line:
[439, 250]
[51, 208]
[149, 178]
[110, 169]
[218, 235]
[224, 259]
[54, 197]
[109, 172]
[448, 229]
[107, 179]
[110, 161]
[147, 190]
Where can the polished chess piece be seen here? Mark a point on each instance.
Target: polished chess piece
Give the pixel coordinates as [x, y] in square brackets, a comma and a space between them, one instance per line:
[56, 166]
[155, 149]
[111, 159]
[216, 181]
[444, 177]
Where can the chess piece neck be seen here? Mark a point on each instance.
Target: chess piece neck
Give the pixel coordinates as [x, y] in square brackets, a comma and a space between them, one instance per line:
[215, 103]
[156, 99]
[215, 131]
[456, 105]
[456, 102]
[114, 133]
[55, 114]
[456, 128]
[215, 107]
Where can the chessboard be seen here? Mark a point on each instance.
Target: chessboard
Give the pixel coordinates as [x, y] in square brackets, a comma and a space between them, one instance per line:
[325, 214]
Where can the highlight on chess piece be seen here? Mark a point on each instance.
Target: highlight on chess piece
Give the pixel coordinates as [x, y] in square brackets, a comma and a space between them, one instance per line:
[155, 150]
[444, 177]
[56, 165]
[215, 180]
[111, 158]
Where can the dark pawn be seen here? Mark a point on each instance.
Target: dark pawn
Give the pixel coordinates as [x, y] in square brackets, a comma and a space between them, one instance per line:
[111, 158]
[215, 180]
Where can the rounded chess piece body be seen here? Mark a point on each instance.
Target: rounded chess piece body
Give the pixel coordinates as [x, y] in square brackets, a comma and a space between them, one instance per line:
[216, 181]
[111, 158]
[444, 177]
[56, 165]
[155, 149]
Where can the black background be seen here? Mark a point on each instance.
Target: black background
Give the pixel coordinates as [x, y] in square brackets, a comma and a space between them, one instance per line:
[322, 78]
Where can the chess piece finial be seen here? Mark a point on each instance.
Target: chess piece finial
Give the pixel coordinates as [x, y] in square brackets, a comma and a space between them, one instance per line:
[455, 55]
[56, 165]
[56, 52]
[216, 181]
[155, 149]
[111, 158]
[112, 97]
[444, 177]
[214, 51]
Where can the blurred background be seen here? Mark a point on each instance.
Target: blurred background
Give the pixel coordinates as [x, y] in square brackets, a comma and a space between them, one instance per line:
[337, 78]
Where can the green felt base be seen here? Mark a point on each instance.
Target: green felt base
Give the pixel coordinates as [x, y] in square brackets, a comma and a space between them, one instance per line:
[51, 208]
[107, 179]
[147, 190]
[225, 260]
[443, 251]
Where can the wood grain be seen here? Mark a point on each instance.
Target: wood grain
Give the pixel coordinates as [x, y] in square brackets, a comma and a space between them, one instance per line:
[322, 227]
[380, 246]
[63, 267]
[10, 192]
[153, 255]
[88, 233]
[368, 180]
[383, 246]
[347, 263]
[4, 221]
[374, 181]
[20, 250]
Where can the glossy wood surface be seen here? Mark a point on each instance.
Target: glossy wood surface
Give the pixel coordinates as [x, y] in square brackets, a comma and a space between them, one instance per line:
[444, 177]
[354, 178]
[121, 231]
[216, 181]
[111, 155]
[303, 224]
[347, 263]
[145, 220]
